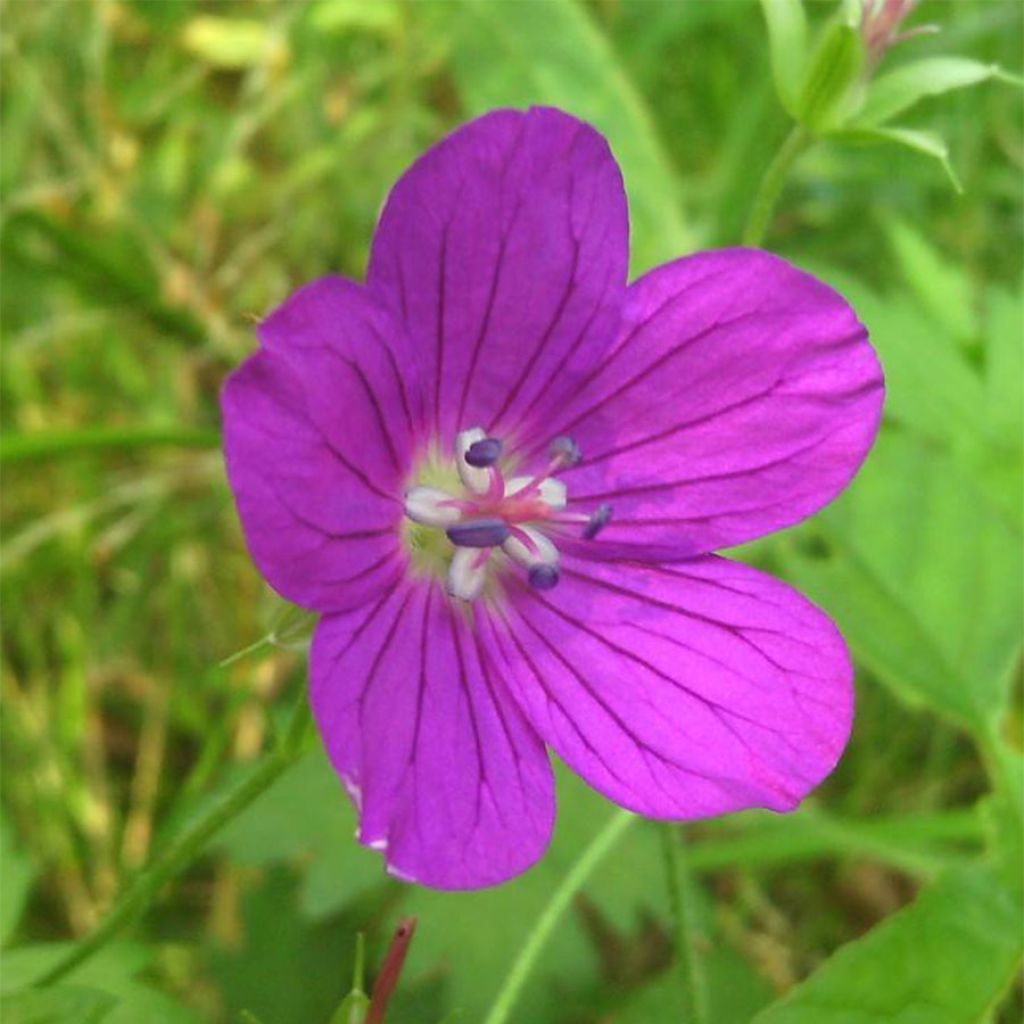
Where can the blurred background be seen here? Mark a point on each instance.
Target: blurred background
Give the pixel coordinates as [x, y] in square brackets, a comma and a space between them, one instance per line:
[169, 172]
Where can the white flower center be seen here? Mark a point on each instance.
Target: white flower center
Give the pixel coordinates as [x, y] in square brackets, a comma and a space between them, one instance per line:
[514, 517]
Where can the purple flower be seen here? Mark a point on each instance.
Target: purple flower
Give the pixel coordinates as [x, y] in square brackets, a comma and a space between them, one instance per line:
[499, 472]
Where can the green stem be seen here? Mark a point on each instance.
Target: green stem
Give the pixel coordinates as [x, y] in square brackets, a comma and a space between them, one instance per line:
[680, 893]
[45, 444]
[580, 871]
[182, 850]
[770, 189]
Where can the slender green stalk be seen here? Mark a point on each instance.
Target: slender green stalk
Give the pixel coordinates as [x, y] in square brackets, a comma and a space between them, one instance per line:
[46, 444]
[580, 871]
[189, 843]
[770, 189]
[680, 894]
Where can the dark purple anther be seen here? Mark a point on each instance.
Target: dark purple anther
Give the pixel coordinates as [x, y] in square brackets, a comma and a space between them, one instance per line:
[484, 452]
[544, 577]
[478, 533]
[597, 522]
[566, 449]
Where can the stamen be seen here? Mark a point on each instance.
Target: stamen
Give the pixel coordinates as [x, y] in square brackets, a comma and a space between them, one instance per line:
[467, 573]
[478, 533]
[530, 547]
[544, 577]
[483, 453]
[476, 479]
[565, 451]
[552, 492]
[432, 507]
[492, 512]
[597, 522]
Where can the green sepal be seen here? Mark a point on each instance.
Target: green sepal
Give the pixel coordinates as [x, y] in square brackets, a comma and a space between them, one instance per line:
[892, 93]
[787, 44]
[833, 87]
[356, 1005]
[921, 142]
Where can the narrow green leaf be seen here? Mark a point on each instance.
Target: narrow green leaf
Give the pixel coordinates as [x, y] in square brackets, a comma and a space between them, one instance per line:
[68, 1004]
[16, 874]
[58, 443]
[831, 88]
[946, 959]
[927, 143]
[509, 55]
[104, 271]
[787, 43]
[892, 93]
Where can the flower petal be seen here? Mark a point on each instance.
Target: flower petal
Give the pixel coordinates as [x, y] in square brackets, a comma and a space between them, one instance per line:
[360, 373]
[741, 397]
[451, 781]
[319, 439]
[504, 252]
[679, 691]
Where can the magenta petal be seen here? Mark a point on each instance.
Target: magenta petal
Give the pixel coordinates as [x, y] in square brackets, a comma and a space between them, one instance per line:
[319, 441]
[451, 782]
[741, 397]
[359, 372]
[681, 691]
[503, 250]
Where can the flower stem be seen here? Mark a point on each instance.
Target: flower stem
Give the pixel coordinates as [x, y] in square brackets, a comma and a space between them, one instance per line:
[680, 893]
[184, 849]
[580, 871]
[770, 189]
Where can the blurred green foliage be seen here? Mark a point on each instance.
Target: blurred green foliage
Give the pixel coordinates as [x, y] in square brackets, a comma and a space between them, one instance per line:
[169, 172]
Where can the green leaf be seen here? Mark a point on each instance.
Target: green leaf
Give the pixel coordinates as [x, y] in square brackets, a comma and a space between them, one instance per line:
[942, 288]
[275, 830]
[892, 93]
[946, 959]
[735, 988]
[922, 575]
[787, 43]
[927, 143]
[506, 55]
[16, 876]
[1004, 365]
[113, 971]
[65, 1004]
[284, 967]
[831, 87]
[1002, 813]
